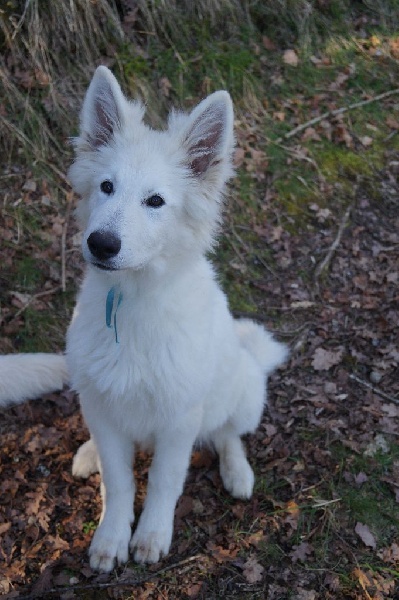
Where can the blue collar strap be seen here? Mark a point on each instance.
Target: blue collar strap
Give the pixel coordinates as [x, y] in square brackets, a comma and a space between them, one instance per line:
[113, 302]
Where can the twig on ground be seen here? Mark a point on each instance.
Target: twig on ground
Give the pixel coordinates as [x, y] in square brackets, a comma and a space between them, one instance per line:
[249, 251]
[33, 298]
[298, 155]
[374, 389]
[128, 582]
[63, 240]
[334, 113]
[327, 259]
[236, 250]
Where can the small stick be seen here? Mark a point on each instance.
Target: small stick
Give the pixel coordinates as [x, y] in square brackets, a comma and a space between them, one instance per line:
[334, 113]
[324, 264]
[374, 389]
[33, 298]
[248, 251]
[296, 154]
[63, 242]
[128, 582]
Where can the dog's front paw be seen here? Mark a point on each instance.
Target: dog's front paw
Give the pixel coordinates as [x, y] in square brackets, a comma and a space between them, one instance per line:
[107, 547]
[149, 546]
[239, 481]
[85, 461]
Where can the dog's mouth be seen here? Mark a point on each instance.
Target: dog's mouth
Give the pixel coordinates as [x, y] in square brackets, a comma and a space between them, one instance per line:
[113, 268]
[104, 267]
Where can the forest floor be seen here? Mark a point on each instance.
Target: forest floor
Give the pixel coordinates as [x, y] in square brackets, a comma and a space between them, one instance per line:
[310, 248]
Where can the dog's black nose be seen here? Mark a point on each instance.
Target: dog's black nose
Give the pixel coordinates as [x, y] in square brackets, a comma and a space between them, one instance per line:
[103, 244]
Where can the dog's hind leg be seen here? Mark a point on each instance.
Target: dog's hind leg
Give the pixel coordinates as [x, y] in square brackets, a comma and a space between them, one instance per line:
[235, 471]
[85, 461]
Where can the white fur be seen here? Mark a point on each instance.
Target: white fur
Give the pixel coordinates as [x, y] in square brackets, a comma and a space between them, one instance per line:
[24, 376]
[183, 368]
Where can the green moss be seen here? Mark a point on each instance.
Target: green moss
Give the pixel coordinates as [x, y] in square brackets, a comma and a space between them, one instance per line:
[131, 64]
[39, 332]
[371, 503]
[337, 162]
[208, 65]
[89, 526]
[27, 273]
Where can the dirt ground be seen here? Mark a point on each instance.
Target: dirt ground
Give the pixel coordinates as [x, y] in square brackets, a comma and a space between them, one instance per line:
[310, 248]
[330, 431]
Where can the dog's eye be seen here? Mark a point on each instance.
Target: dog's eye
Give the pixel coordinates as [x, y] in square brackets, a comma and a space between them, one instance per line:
[107, 187]
[155, 201]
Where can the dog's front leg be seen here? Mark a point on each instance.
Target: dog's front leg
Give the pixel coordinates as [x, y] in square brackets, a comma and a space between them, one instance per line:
[111, 539]
[153, 535]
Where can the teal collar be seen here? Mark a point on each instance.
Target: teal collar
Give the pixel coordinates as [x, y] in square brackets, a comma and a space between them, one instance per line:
[113, 302]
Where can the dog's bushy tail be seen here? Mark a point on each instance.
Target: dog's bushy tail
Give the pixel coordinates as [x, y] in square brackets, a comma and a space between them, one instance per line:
[28, 376]
[261, 345]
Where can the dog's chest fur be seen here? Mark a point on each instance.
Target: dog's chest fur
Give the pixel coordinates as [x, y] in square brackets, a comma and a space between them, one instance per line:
[163, 357]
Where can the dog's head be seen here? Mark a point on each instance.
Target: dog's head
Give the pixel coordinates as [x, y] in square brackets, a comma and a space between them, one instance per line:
[147, 195]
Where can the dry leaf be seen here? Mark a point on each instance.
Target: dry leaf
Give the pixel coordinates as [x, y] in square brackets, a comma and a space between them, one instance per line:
[42, 78]
[279, 116]
[315, 60]
[276, 233]
[362, 578]
[184, 507]
[375, 41]
[268, 43]
[301, 552]
[361, 478]
[292, 517]
[253, 570]
[310, 133]
[30, 185]
[255, 538]
[378, 444]
[390, 410]
[194, 590]
[393, 277]
[392, 123]
[366, 140]
[239, 155]
[363, 531]
[323, 360]
[290, 57]
[394, 47]
[342, 135]
[221, 554]
[390, 555]
[302, 304]
[338, 83]
[332, 581]
[4, 527]
[165, 86]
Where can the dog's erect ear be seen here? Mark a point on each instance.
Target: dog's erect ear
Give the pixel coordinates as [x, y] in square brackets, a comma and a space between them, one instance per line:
[209, 135]
[102, 108]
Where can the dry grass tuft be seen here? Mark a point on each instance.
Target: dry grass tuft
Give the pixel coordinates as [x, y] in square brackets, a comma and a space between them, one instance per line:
[48, 52]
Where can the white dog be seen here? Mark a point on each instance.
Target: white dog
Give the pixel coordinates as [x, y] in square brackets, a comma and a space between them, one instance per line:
[152, 349]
